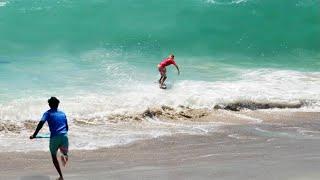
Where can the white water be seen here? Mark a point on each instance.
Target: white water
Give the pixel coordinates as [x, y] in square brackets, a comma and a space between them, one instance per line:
[262, 85]
[3, 3]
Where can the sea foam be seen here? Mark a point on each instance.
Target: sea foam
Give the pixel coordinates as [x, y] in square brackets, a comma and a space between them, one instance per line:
[3, 3]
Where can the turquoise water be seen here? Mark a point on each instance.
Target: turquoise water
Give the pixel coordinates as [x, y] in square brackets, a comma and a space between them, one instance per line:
[39, 34]
[73, 47]
[190, 27]
[99, 57]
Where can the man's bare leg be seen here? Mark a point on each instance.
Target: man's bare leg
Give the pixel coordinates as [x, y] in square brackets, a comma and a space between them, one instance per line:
[163, 79]
[160, 79]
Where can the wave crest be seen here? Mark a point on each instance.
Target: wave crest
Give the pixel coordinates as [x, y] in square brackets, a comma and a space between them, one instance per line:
[221, 2]
[3, 3]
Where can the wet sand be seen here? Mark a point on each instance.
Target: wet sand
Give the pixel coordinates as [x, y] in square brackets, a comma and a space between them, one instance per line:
[285, 145]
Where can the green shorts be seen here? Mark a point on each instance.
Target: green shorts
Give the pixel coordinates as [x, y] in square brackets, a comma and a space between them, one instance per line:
[59, 142]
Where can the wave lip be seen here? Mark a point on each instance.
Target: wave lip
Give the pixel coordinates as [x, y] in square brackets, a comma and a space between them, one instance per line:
[240, 105]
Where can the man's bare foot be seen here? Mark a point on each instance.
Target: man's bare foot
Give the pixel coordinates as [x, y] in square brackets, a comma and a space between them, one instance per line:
[64, 160]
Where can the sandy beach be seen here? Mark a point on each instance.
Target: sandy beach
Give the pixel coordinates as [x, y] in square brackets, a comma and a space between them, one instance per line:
[284, 146]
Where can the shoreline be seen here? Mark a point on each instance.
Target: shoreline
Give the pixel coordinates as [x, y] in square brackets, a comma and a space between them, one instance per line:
[273, 149]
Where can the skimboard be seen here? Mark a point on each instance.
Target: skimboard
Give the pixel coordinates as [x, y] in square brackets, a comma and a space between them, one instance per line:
[43, 136]
[163, 86]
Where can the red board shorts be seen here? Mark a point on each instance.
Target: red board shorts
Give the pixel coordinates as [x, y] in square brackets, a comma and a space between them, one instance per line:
[162, 70]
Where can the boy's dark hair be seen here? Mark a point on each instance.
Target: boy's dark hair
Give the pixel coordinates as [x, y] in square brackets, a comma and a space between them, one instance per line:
[53, 102]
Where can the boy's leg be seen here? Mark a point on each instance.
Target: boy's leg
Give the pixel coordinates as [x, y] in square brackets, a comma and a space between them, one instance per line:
[54, 145]
[56, 164]
[64, 160]
[64, 148]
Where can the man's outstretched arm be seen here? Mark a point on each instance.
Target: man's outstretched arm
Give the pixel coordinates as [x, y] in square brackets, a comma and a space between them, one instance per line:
[40, 125]
[177, 69]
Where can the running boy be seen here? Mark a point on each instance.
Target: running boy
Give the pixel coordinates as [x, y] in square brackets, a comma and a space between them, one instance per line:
[58, 126]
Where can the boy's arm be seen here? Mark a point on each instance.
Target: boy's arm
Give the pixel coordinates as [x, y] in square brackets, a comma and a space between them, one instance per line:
[41, 123]
[67, 127]
[67, 123]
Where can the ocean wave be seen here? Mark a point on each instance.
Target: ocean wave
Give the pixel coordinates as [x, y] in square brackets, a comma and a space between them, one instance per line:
[174, 114]
[163, 112]
[115, 129]
[209, 39]
[17, 127]
[258, 89]
[122, 128]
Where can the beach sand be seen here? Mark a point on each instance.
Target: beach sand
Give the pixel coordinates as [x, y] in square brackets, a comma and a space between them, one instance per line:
[286, 145]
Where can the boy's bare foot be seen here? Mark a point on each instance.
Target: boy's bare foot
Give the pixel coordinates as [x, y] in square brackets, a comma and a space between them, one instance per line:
[64, 160]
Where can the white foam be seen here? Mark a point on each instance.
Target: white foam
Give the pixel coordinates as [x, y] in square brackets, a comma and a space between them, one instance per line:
[242, 116]
[3, 3]
[226, 2]
[263, 85]
[110, 134]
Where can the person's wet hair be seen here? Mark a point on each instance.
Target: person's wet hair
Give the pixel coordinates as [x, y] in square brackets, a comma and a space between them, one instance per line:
[53, 102]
